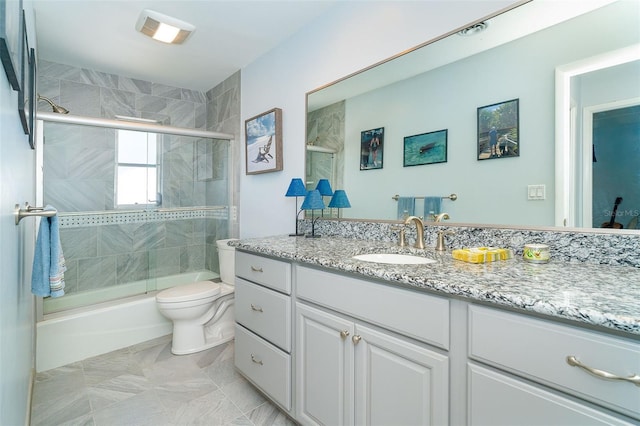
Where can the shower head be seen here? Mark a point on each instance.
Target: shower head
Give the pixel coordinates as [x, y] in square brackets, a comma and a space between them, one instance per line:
[56, 108]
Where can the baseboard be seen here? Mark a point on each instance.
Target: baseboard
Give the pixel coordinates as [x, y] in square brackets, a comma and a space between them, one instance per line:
[32, 381]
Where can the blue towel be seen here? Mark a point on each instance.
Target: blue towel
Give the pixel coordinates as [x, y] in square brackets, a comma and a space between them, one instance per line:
[47, 277]
[432, 205]
[406, 207]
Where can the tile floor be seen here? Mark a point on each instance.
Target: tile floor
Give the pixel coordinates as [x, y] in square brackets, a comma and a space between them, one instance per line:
[146, 385]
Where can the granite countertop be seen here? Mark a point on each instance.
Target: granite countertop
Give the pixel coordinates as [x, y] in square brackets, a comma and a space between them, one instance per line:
[604, 296]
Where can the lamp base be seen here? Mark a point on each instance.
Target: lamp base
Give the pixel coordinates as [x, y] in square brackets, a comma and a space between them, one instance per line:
[296, 235]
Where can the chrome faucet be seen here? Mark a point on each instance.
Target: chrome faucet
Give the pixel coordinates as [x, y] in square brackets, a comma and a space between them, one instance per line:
[440, 217]
[419, 230]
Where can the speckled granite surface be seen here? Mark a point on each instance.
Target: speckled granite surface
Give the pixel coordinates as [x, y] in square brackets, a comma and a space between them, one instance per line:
[603, 296]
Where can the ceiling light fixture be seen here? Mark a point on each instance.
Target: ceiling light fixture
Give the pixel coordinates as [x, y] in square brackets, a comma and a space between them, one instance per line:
[163, 28]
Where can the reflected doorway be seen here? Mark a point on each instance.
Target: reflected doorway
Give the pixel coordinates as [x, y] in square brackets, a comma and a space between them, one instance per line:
[612, 183]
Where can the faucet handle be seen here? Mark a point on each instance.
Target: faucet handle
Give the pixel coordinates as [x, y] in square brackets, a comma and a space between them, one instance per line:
[402, 240]
[440, 245]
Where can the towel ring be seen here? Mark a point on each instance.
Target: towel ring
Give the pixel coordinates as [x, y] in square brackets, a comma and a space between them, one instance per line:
[21, 213]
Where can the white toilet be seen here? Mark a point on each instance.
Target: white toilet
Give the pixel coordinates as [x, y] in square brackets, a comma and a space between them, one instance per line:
[202, 312]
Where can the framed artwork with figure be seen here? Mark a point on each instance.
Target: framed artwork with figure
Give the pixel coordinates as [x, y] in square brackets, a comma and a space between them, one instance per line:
[263, 142]
[371, 149]
[498, 130]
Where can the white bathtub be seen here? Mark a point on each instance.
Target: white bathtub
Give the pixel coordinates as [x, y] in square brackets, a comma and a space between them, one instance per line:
[73, 335]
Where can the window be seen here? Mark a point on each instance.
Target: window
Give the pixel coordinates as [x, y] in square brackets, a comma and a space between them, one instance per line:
[137, 168]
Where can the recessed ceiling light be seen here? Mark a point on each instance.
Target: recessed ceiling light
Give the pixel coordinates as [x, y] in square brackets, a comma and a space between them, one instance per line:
[163, 28]
[474, 29]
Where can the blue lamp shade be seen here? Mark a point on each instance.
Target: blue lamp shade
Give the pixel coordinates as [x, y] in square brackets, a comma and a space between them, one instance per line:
[313, 201]
[324, 187]
[339, 200]
[296, 188]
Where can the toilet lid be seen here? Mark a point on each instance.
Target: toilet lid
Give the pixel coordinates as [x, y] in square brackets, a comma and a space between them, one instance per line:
[193, 291]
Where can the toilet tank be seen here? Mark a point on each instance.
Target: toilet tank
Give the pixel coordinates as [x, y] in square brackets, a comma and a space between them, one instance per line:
[226, 259]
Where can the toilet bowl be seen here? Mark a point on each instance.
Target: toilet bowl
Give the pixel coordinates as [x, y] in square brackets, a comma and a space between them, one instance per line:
[202, 312]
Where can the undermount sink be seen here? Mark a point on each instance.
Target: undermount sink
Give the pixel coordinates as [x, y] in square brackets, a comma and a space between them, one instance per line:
[393, 258]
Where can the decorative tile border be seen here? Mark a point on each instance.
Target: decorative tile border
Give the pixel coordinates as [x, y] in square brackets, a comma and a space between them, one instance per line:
[76, 220]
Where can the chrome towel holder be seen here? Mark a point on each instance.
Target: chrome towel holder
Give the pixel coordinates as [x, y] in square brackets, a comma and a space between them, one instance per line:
[28, 210]
[451, 197]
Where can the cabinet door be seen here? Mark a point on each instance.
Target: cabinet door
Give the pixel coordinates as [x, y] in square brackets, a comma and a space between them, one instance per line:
[324, 368]
[496, 399]
[397, 382]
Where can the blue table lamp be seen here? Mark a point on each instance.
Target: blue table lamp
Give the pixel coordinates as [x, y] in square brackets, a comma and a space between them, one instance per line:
[296, 189]
[339, 201]
[313, 201]
[324, 187]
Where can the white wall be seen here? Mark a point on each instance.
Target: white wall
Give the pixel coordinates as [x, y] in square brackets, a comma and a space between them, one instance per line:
[17, 318]
[348, 38]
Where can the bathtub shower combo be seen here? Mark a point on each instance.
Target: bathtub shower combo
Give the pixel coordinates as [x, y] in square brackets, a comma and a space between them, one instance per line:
[140, 207]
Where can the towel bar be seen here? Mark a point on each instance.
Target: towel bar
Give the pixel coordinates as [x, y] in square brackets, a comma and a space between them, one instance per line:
[27, 211]
[451, 197]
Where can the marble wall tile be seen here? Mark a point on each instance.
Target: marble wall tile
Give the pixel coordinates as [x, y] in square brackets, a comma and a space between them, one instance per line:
[192, 258]
[97, 78]
[164, 262]
[49, 88]
[117, 102]
[58, 71]
[182, 113]
[96, 272]
[179, 233]
[115, 239]
[80, 99]
[150, 103]
[166, 91]
[193, 96]
[132, 267]
[134, 85]
[79, 242]
[68, 195]
[148, 236]
[200, 116]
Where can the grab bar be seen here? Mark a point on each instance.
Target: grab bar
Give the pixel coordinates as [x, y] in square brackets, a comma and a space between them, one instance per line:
[451, 197]
[27, 211]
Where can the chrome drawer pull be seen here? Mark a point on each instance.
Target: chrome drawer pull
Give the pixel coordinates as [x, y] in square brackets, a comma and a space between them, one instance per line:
[256, 308]
[254, 269]
[573, 361]
[253, 358]
[344, 334]
[356, 339]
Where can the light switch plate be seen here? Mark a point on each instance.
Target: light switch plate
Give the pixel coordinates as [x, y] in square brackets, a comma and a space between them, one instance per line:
[536, 192]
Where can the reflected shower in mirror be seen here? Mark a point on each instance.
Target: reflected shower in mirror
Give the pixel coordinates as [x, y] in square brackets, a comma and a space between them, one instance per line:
[444, 93]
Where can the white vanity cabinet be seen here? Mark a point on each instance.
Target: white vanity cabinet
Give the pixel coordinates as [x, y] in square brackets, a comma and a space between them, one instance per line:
[263, 325]
[524, 352]
[354, 364]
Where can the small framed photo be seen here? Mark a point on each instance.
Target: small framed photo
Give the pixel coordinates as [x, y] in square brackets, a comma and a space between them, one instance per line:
[11, 40]
[25, 68]
[425, 148]
[498, 130]
[31, 101]
[263, 138]
[371, 149]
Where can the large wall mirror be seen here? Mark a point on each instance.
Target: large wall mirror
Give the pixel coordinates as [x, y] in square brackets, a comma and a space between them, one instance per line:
[539, 167]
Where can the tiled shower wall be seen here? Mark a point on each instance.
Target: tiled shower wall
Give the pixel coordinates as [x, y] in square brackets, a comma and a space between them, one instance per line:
[79, 177]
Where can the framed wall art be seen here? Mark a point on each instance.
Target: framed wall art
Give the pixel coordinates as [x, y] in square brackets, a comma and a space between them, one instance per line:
[32, 97]
[371, 149]
[263, 142]
[25, 67]
[10, 40]
[498, 130]
[425, 148]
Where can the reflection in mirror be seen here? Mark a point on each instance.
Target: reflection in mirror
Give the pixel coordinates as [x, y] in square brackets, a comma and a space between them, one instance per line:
[516, 191]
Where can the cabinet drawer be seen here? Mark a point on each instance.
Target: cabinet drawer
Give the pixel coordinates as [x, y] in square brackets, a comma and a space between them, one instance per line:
[265, 365]
[538, 349]
[496, 399]
[413, 314]
[268, 272]
[265, 312]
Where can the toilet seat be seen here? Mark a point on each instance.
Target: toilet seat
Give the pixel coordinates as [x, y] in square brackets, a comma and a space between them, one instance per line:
[193, 291]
